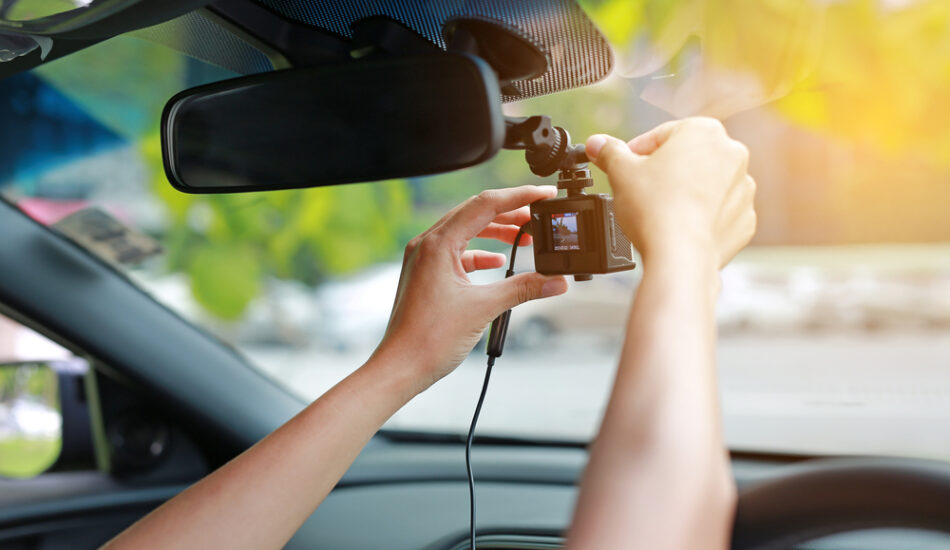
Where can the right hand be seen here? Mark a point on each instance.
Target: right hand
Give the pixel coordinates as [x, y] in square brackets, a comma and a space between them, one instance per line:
[682, 184]
[439, 315]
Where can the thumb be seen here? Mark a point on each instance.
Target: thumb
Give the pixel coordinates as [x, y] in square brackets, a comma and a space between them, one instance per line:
[523, 287]
[609, 153]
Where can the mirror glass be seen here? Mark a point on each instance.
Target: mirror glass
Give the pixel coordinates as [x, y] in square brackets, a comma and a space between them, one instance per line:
[30, 418]
[352, 122]
[20, 10]
[41, 16]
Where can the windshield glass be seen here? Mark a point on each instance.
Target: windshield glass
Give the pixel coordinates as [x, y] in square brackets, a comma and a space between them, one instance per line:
[834, 326]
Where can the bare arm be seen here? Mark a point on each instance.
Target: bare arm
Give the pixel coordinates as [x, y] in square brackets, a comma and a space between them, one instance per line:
[658, 475]
[259, 499]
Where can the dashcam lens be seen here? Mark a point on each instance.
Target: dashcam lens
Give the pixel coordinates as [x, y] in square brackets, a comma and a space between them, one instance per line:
[564, 229]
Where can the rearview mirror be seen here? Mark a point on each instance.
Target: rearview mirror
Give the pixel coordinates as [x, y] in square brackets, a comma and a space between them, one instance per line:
[343, 123]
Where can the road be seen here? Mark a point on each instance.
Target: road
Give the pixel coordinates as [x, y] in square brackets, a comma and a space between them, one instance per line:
[877, 393]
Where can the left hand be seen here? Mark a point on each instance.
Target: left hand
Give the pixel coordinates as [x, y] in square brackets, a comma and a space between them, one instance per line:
[683, 186]
[439, 315]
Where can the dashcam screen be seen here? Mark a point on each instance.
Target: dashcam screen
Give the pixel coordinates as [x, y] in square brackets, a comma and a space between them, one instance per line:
[564, 229]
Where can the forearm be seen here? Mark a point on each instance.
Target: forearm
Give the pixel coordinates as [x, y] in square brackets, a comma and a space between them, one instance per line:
[259, 499]
[658, 473]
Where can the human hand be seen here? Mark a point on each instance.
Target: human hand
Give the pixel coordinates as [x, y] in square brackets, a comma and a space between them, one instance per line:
[683, 184]
[438, 314]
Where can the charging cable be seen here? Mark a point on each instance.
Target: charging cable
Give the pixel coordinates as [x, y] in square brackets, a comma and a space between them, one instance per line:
[496, 342]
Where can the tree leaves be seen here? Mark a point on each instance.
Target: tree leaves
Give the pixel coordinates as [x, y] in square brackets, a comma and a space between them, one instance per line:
[225, 278]
[230, 244]
[871, 72]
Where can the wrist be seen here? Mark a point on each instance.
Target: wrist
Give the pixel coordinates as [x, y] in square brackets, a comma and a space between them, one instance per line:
[397, 369]
[688, 230]
[691, 262]
[698, 253]
[406, 362]
[370, 395]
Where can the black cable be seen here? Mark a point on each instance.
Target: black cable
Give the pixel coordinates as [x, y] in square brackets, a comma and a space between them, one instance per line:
[496, 341]
[514, 249]
[468, 451]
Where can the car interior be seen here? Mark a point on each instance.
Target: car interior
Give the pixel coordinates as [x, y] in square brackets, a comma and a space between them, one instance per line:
[151, 393]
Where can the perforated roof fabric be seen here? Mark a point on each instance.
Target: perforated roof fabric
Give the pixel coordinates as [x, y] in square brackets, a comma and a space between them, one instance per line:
[579, 54]
[197, 36]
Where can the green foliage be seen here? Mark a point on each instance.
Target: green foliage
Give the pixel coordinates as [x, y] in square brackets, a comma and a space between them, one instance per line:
[25, 458]
[8, 384]
[866, 71]
[25, 10]
[36, 380]
[229, 244]
[884, 79]
[224, 277]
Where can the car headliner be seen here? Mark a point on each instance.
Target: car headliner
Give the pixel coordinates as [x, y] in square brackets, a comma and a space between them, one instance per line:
[248, 36]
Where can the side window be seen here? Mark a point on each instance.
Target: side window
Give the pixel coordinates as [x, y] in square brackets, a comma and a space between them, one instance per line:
[38, 383]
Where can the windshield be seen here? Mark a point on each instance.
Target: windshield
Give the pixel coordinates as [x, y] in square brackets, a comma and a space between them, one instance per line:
[834, 326]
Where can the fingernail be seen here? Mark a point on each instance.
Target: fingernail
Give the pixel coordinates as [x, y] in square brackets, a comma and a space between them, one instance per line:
[594, 144]
[553, 288]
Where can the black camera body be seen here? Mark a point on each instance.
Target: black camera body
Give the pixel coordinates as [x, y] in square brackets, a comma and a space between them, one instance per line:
[578, 234]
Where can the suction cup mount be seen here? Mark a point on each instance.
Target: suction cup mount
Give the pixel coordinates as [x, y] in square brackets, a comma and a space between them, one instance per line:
[379, 35]
[513, 54]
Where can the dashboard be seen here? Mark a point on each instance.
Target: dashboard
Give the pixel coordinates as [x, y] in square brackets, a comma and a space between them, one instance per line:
[411, 496]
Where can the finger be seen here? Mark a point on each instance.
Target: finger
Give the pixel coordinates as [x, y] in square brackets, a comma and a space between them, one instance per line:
[742, 152]
[473, 260]
[740, 197]
[749, 186]
[501, 218]
[744, 231]
[518, 216]
[514, 218]
[504, 233]
[609, 153]
[476, 213]
[508, 293]
[448, 215]
[647, 143]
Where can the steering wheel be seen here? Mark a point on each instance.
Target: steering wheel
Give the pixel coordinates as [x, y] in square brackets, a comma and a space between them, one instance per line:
[824, 497]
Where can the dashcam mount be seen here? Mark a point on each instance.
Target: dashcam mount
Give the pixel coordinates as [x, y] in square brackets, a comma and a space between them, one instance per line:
[547, 148]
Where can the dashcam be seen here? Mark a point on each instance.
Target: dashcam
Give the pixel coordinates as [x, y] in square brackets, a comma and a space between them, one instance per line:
[578, 235]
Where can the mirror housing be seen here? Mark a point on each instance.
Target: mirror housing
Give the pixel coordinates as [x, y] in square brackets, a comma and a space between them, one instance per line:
[348, 122]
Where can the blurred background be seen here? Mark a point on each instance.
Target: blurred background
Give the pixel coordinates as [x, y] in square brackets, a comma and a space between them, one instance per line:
[834, 325]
